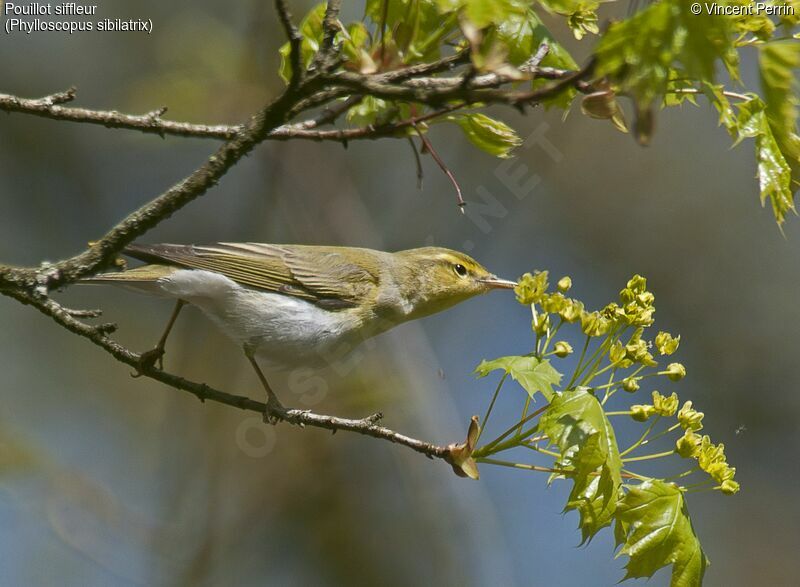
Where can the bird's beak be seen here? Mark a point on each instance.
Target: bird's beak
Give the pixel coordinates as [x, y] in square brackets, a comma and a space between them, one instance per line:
[495, 282]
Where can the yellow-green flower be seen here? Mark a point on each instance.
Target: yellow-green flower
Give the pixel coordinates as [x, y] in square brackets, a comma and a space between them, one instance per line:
[562, 349]
[688, 445]
[689, 418]
[594, 324]
[565, 284]
[617, 353]
[637, 352]
[729, 487]
[643, 317]
[666, 344]
[665, 406]
[645, 299]
[553, 303]
[637, 284]
[710, 455]
[572, 310]
[613, 312]
[531, 288]
[675, 371]
[541, 324]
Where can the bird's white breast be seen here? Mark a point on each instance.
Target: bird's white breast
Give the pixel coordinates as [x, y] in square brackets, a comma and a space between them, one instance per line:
[281, 328]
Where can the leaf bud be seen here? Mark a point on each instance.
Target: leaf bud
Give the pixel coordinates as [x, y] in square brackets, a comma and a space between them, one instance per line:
[675, 371]
[641, 413]
[630, 385]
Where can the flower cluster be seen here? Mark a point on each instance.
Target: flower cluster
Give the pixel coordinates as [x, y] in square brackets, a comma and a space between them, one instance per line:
[619, 334]
[532, 289]
[710, 457]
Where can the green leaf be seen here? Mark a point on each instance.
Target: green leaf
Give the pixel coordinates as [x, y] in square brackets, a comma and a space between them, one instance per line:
[521, 35]
[531, 373]
[417, 26]
[483, 13]
[639, 53]
[774, 173]
[576, 422]
[372, 110]
[727, 115]
[354, 46]
[488, 134]
[658, 532]
[777, 63]
[311, 29]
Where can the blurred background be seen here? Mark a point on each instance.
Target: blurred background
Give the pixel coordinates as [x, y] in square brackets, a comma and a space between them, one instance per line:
[109, 480]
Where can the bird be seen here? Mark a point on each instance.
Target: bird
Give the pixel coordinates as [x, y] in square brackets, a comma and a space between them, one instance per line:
[296, 304]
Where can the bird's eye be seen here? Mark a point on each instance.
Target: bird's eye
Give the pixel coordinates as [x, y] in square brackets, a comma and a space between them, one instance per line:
[460, 270]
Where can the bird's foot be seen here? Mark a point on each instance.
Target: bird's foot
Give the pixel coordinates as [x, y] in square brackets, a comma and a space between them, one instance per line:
[274, 411]
[154, 358]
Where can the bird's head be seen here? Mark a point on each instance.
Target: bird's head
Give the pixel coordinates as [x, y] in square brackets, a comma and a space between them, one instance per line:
[434, 278]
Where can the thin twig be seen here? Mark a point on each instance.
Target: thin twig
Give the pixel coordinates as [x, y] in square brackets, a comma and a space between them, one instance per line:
[330, 26]
[726, 93]
[295, 42]
[151, 122]
[427, 147]
[420, 174]
[384, 17]
[436, 91]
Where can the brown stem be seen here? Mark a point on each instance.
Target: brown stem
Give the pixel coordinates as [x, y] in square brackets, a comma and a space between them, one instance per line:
[428, 148]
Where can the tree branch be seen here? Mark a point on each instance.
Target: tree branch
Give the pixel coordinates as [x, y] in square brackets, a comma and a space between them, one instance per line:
[295, 42]
[153, 123]
[408, 81]
[330, 26]
[433, 91]
[99, 335]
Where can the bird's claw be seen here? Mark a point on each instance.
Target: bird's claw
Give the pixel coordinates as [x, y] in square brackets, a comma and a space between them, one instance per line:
[154, 358]
[274, 412]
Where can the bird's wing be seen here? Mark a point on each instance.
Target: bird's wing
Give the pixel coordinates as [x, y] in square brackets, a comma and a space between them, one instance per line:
[322, 276]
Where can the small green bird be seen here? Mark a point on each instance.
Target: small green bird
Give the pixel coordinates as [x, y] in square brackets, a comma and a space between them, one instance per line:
[297, 304]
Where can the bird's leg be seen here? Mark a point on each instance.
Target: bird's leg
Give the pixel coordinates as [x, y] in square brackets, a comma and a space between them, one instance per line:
[274, 406]
[155, 356]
